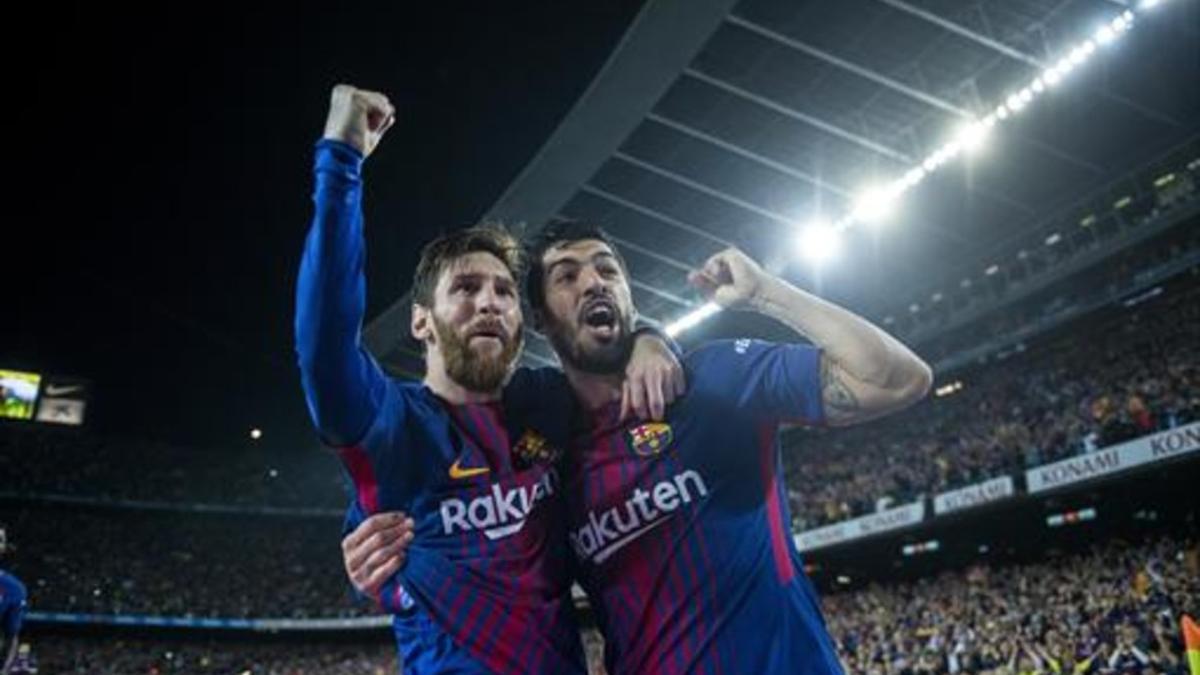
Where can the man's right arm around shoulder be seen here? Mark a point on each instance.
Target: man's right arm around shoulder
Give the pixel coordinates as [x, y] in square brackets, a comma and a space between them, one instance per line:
[343, 385]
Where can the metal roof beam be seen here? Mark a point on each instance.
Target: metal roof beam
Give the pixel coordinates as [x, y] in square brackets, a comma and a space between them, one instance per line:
[660, 257]
[748, 154]
[656, 215]
[861, 71]
[658, 292]
[700, 187]
[810, 120]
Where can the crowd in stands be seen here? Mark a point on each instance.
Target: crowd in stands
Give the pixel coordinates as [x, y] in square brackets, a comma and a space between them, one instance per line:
[1114, 609]
[1120, 276]
[1040, 252]
[1099, 384]
[51, 460]
[123, 561]
[118, 656]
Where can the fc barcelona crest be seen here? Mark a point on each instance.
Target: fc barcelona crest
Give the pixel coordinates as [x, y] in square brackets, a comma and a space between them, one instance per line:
[533, 448]
[650, 439]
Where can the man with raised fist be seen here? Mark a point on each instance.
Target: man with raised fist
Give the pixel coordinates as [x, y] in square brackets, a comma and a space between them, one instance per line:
[470, 453]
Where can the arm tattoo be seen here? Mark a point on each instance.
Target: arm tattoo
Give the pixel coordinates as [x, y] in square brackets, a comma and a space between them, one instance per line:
[840, 403]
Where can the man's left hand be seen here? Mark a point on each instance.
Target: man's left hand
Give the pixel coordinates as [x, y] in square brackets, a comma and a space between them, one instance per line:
[653, 379]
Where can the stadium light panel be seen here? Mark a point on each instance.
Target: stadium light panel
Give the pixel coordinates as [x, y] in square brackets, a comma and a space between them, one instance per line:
[256, 433]
[691, 319]
[876, 204]
[915, 175]
[948, 389]
[819, 242]
[971, 135]
[1164, 179]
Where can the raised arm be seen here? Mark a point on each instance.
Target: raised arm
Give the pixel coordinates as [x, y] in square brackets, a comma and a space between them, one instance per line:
[342, 383]
[865, 373]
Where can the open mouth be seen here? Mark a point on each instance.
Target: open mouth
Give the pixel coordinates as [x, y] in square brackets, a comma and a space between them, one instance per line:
[600, 316]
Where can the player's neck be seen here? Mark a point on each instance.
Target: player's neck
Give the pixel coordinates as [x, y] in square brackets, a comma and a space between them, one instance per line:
[594, 391]
[447, 389]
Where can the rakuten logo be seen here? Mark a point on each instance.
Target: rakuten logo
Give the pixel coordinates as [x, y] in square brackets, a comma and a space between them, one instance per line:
[500, 512]
[608, 532]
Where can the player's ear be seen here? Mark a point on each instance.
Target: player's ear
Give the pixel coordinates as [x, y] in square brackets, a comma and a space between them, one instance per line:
[422, 323]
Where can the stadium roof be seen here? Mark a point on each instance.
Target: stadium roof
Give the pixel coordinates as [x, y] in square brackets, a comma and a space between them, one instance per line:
[735, 123]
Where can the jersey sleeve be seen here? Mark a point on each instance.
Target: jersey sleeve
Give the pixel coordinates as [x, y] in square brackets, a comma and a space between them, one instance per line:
[12, 609]
[343, 385]
[777, 382]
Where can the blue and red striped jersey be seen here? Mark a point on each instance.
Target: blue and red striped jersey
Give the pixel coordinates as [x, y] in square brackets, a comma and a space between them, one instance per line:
[12, 605]
[487, 584]
[681, 528]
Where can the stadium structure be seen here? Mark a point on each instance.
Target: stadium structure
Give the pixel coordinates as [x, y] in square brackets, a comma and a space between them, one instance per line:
[1001, 184]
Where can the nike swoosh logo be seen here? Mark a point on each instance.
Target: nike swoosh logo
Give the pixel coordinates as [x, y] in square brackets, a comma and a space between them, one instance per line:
[52, 390]
[457, 472]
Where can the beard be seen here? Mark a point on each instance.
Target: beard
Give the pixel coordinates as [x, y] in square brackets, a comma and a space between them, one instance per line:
[597, 357]
[474, 371]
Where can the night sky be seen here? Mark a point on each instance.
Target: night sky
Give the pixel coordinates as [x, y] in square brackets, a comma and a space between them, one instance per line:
[159, 189]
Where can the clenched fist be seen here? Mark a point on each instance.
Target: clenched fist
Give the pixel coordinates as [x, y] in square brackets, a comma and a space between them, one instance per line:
[358, 117]
[730, 278]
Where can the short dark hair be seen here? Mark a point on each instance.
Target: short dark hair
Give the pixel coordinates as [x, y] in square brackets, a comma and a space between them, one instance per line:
[441, 252]
[558, 232]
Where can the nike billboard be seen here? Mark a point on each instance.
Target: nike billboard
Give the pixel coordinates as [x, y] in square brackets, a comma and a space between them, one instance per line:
[18, 394]
[63, 401]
